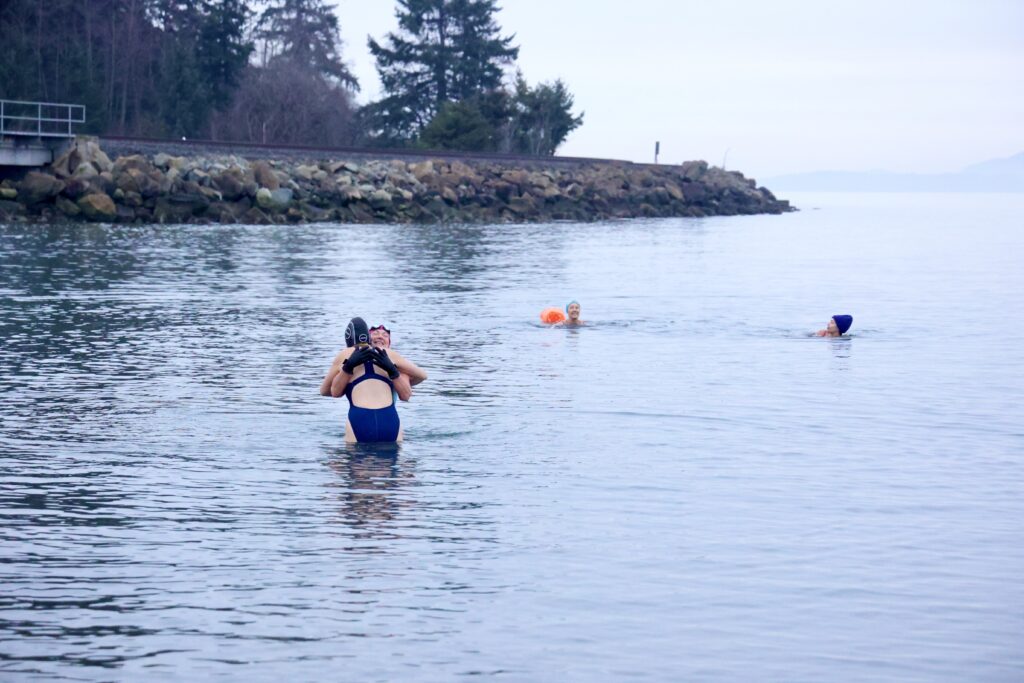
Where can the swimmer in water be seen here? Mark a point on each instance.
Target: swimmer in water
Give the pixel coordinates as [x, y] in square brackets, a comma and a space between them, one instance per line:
[572, 313]
[837, 326]
[366, 376]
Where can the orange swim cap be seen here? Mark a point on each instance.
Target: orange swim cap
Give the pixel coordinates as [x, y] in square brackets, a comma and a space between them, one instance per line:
[552, 315]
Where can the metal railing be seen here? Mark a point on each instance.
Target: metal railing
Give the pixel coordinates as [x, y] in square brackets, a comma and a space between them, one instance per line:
[39, 119]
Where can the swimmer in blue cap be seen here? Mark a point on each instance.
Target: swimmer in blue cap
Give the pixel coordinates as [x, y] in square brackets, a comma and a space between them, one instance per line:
[572, 313]
[837, 326]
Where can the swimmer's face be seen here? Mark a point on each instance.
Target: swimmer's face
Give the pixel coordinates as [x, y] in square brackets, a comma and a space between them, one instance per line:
[573, 311]
[380, 338]
[832, 327]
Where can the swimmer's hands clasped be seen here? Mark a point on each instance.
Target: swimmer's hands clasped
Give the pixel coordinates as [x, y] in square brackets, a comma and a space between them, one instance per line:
[380, 357]
[358, 357]
[369, 354]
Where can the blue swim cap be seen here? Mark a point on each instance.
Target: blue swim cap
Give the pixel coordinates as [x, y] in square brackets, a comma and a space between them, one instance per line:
[843, 322]
[570, 304]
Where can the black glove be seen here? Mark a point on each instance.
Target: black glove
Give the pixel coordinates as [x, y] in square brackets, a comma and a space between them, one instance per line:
[360, 356]
[381, 359]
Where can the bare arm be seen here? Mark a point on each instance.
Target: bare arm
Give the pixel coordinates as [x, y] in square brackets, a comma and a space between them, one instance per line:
[403, 387]
[325, 385]
[407, 367]
[341, 381]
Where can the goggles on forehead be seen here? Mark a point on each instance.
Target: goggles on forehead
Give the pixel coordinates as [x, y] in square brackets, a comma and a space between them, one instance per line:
[380, 327]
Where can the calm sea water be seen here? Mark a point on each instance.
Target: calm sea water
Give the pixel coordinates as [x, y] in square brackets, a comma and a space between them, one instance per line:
[689, 488]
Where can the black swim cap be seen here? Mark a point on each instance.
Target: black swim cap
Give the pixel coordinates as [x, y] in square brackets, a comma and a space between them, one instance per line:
[357, 332]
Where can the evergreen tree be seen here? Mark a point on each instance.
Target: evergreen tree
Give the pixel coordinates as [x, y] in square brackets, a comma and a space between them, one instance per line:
[542, 117]
[459, 126]
[223, 50]
[306, 33]
[444, 51]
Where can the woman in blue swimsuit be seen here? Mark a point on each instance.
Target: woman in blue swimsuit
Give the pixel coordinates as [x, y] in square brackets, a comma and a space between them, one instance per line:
[366, 377]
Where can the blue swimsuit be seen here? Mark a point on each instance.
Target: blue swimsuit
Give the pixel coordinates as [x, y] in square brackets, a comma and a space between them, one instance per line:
[373, 424]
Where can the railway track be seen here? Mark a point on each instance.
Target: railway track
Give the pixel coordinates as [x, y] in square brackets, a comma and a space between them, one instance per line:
[134, 145]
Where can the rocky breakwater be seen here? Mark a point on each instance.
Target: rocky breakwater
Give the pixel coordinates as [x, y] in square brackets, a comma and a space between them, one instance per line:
[84, 184]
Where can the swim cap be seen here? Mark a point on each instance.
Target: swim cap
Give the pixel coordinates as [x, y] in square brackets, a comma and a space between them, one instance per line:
[356, 332]
[570, 304]
[843, 322]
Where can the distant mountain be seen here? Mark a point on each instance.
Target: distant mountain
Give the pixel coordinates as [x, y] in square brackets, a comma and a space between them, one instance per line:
[997, 175]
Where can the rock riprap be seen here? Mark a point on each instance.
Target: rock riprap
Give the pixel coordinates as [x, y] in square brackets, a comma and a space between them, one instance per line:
[84, 184]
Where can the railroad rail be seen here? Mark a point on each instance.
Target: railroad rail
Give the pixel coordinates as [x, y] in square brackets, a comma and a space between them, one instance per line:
[140, 145]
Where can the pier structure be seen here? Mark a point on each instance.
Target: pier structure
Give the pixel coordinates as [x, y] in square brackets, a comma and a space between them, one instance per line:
[36, 133]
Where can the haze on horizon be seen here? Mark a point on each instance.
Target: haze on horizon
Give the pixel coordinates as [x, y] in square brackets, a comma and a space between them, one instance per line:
[768, 88]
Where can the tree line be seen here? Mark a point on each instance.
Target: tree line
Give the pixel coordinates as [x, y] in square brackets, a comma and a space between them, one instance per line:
[273, 72]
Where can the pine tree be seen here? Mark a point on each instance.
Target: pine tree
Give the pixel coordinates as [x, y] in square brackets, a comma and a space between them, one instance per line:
[444, 51]
[543, 117]
[306, 33]
[223, 50]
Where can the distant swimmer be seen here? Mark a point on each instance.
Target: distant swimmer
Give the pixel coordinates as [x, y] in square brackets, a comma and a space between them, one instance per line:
[572, 311]
[837, 326]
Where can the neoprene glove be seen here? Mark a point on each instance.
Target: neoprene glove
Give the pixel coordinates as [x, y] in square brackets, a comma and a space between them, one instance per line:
[358, 358]
[381, 359]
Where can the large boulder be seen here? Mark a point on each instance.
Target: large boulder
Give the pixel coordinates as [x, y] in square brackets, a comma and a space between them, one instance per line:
[265, 175]
[350, 194]
[76, 187]
[83, 150]
[380, 200]
[85, 170]
[9, 209]
[133, 161]
[89, 149]
[306, 171]
[38, 187]
[274, 200]
[422, 170]
[67, 207]
[693, 170]
[144, 184]
[180, 207]
[98, 207]
[675, 191]
[256, 217]
[230, 183]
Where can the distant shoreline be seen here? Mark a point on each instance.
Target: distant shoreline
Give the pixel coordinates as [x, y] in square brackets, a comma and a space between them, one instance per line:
[997, 175]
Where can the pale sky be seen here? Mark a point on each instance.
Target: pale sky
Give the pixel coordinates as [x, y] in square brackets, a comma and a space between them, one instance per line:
[770, 87]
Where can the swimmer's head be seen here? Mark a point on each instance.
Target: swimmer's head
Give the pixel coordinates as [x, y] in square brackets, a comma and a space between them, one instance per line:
[356, 332]
[380, 336]
[572, 309]
[842, 323]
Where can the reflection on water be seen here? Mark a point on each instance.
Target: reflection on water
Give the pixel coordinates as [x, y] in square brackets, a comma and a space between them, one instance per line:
[374, 487]
[630, 499]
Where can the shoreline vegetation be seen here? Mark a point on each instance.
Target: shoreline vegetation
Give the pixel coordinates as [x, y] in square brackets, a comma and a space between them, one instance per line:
[85, 184]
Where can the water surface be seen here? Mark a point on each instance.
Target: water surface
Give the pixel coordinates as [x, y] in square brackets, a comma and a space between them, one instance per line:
[689, 488]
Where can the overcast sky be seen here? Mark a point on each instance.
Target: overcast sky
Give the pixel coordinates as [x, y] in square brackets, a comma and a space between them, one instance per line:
[769, 87]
